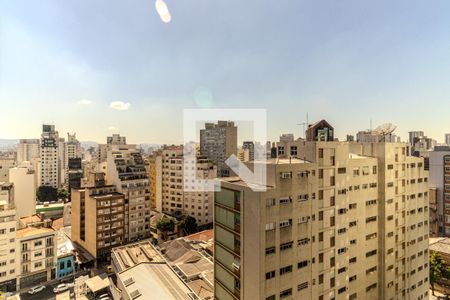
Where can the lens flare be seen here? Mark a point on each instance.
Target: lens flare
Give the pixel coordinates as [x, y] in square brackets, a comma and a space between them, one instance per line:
[163, 11]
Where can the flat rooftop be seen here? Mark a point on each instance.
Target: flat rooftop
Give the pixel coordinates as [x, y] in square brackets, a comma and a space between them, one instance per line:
[153, 281]
[31, 231]
[441, 245]
[133, 254]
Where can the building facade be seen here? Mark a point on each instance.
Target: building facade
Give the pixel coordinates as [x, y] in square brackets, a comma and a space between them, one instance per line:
[349, 222]
[27, 150]
[7, 238]
[24, 179]
[49, 157]
[127, 171]
[440, 180]
[98, 217]
[167, 184]
[35, 253]
[218, 142]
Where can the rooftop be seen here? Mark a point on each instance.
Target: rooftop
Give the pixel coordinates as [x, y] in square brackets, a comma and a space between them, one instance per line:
[441, 245]
[153, 281]
[31, 231]
[130, 255]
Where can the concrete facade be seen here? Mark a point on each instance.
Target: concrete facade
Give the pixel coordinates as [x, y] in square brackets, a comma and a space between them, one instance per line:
[349, 222]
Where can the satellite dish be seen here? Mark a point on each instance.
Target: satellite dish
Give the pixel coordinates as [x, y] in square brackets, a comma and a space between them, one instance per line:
[385, 129]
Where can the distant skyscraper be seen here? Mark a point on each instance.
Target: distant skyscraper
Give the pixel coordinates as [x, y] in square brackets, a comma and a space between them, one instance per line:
[251, 149]
[218, 142]
[414, 135]
[447, 139]
[114, 142]
[50, 157]
[27, 150]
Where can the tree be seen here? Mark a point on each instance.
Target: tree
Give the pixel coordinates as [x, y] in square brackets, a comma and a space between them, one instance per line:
[165, 225]
[188, 225]
[438, 269]
[47, 193]
[63, 194]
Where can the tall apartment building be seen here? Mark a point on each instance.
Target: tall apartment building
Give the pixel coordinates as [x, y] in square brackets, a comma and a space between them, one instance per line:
[218, 142]
[440, 180]
[447, 139]
[27, 150]
[72, 150]
[49, 157]
[36, 252]
[349, 222]
[251, 149]
[24, 180]
[5, 165]
[7, 238]
[167, 181]
[126, 170]
[114, 142]
[98, 217]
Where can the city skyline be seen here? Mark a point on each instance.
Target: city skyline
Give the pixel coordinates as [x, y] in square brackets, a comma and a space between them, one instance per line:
[120, 69]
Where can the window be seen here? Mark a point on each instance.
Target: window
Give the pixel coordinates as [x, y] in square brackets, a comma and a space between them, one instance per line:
[285, 223]
[342, 170]
[270, 275]
[285, 270]
[342, 290]
[371, 219]
[302, 264]
[371, 253]
[302, 286]
[371, 236]
[342, 250]
[270, 202]
[285, 200]
[270, 226]
[371, 202]
[286, 246]
[270, 250]
[286, 293]
[302, 242]
[342, 270]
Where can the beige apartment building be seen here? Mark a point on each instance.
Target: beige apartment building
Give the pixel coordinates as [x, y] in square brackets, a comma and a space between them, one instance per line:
[98, 216]
[36, 252]
[114, 142]
[167, 184]
[126, 170]
[350, 221]
[7, 238]
[218, 142]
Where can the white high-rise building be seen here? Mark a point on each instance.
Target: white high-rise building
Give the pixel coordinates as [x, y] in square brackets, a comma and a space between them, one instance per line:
[24, 181]
[7, 238]
[27, 150]
[114, 142]
[72, 149]
[50, 157]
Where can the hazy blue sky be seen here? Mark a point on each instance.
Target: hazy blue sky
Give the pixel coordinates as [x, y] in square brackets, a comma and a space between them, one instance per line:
[65, 62]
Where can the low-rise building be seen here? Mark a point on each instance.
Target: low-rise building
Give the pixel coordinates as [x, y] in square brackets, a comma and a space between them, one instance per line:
[35, 252]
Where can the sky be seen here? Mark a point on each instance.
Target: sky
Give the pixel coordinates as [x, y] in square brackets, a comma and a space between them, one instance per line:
[97, 67]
